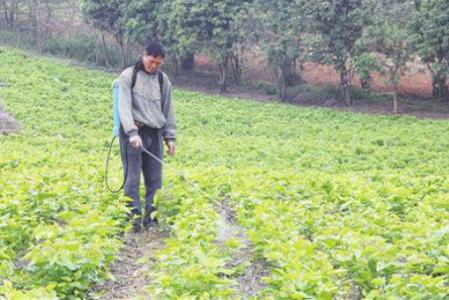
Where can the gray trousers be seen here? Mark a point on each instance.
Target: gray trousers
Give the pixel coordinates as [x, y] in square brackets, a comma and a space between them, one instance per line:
[135, 162]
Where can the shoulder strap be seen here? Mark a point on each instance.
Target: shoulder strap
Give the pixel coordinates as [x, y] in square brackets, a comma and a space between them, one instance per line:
[160, 77]
[133, 81]
[134, 77]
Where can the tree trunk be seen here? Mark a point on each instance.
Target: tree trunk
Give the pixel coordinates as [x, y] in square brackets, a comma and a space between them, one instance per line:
[4, 10]
[7, 15]
[344, 86]
[46, 28]
[288, 67]
[187, 62]
[105, 49]
[439, 86]
[122, 51]
[33, 9]
[283, 88]
[236, 68]
[366, 83]
[394, 80]
[128, 53]
[282, 84]
[11, 13]
[14, 12]
[224, 73]
[286, 75]
[175, 64]
[395, 99]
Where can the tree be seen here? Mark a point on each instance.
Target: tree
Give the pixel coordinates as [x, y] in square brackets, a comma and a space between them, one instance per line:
[156, 20]
[363, 65]
[431, 40]
[279, 31]
[140, 17]
[213, 27]
[339, 24]
[30, 16]
[33, 8]
[107, 15]
[10, 10]
[389, 36]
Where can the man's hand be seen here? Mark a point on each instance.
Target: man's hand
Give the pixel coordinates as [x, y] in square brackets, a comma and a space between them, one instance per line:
[135, 141]
[170, 147]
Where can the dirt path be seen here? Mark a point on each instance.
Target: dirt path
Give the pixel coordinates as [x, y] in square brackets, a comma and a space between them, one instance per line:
[249, 283]
[132, 270]
[8, 124]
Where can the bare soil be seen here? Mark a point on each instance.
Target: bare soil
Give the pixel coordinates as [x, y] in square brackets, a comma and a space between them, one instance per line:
[250, 282]
[8, 124]
[132, 270]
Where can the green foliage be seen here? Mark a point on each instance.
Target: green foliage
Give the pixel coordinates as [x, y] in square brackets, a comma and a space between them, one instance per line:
[105, 15]
[286, 31]
[266, 87]
[388, 34]
[339, 24]
[279, 32]
[59, 227]
[431, 40]
[212, 27]
[80, 47]
[192, 265]
[366, 63]
[108, 16]
[338, 205]
[10, 37]
[141, 19]
[35, 294]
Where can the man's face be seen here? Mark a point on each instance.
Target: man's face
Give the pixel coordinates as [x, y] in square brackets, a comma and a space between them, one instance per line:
[152, 63]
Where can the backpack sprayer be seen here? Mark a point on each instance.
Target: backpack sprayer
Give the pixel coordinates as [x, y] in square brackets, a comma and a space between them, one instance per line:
[116, 133]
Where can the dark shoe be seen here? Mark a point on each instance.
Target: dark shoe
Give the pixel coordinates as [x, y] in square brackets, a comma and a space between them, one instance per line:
[147, 223]
[147, 220]
[136, 219]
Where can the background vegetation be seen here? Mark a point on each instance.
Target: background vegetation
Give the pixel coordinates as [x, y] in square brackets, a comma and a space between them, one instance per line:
[357, 37]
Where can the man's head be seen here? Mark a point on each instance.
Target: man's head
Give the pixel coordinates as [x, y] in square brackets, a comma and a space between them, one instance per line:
[153, 57]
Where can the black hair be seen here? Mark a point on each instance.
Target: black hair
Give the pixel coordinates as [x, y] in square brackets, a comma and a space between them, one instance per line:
[155, 49]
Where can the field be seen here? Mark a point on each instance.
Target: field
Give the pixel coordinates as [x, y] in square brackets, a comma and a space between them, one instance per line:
[325, 204]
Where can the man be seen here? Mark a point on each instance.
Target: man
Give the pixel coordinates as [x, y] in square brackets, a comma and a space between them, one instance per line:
[147, 117]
